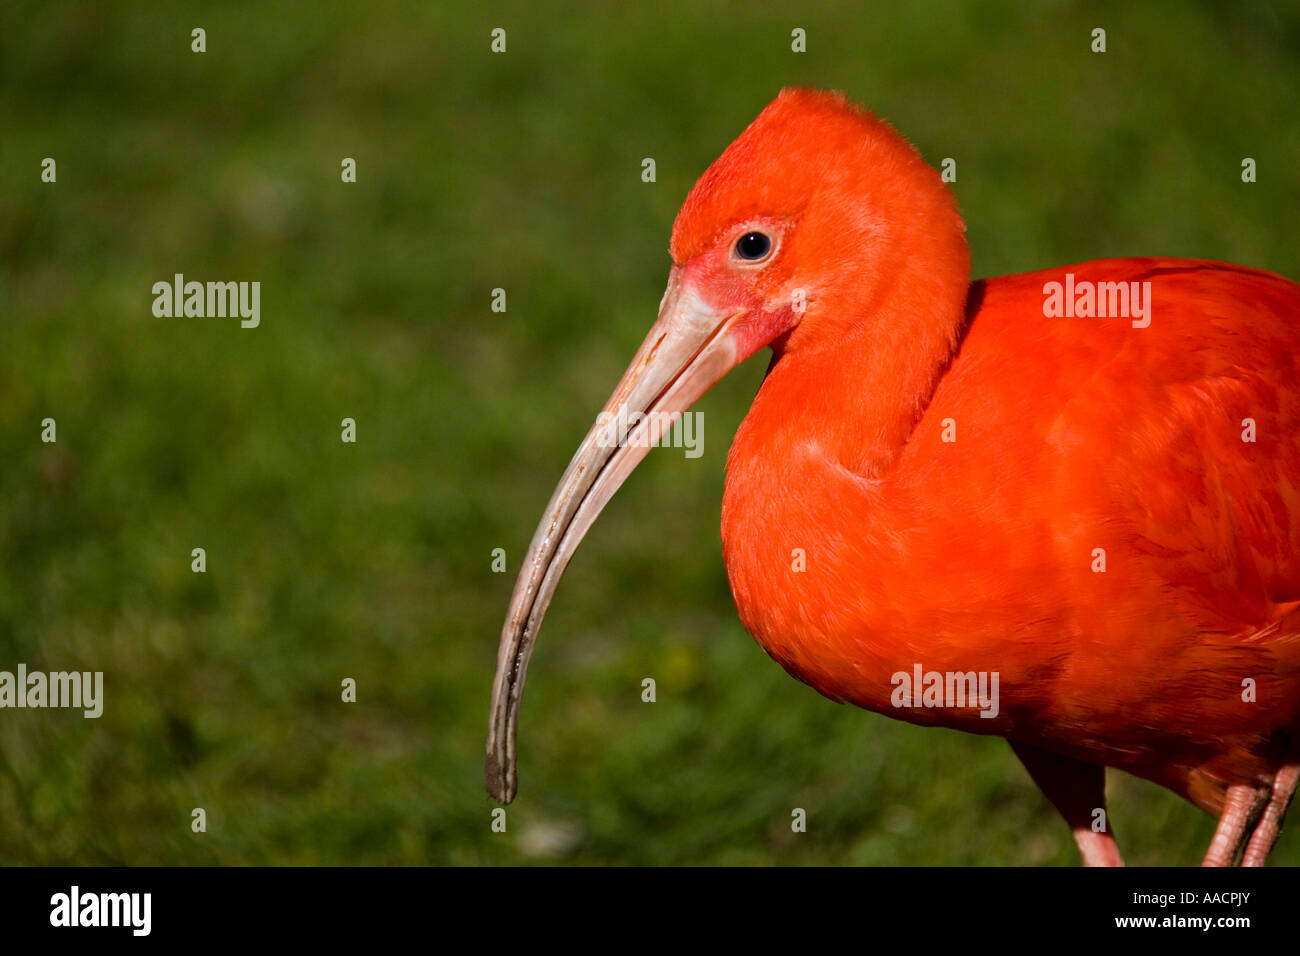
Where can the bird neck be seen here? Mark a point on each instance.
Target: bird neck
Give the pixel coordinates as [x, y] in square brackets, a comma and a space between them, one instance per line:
[812, 459]
[856, 395]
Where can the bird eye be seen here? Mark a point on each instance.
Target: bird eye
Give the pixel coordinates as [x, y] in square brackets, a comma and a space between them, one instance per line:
[753, 246]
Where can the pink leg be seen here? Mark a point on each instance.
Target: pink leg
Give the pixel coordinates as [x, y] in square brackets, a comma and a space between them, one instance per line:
[1270, 824]
[1240, 811]
[1078, 791]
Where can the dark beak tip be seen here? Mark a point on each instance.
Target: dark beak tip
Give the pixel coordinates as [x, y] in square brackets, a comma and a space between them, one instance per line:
[500, 780]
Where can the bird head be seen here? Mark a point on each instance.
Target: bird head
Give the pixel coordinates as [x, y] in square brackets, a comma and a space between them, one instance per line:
[808, 219]
[801, 229]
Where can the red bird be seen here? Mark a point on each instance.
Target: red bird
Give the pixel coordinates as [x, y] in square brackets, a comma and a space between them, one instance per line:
[1062, 507]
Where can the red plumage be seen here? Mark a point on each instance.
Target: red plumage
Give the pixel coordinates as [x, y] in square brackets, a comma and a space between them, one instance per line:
[1101, 509]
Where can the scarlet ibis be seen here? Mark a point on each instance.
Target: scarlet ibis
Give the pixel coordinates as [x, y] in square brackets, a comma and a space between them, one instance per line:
[1062, 507]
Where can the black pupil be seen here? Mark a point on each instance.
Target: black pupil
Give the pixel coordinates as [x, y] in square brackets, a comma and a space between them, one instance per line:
[753, 245]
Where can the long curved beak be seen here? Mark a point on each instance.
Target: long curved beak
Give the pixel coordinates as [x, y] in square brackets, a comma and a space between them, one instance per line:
[686, 352]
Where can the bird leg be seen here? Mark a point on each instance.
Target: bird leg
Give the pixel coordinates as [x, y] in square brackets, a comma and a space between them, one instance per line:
[1270, 824]
[1241, 808]
[1078, 791]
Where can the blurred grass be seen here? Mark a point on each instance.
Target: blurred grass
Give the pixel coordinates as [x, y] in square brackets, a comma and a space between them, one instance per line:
[372, 561]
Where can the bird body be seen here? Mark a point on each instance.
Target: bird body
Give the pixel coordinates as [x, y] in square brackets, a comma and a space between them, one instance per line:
[1062, 507]
[980, 553]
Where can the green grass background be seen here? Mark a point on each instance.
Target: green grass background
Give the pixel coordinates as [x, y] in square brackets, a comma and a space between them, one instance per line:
[372, 561]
